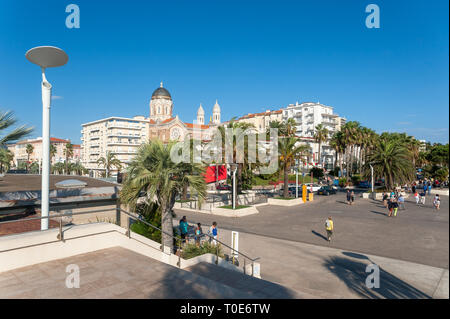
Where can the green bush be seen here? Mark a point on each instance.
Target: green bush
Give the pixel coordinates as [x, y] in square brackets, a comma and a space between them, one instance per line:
[356, 178]
[192, 250]
[342, 181]
[152, 215]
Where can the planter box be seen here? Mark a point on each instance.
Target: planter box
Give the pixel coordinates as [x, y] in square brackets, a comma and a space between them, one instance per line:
[366, 195]
[285, 202]
[376, 196]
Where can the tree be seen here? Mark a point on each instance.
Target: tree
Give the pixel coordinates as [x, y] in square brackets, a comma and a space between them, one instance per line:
[58, 168]
[29, 149]
[321, 136]
[6, 158]
[289, 149]
[109, 161]
[7, 120]
[391, 161]
[239, 130]
[153, 177]
[68, 152]
[337, 142]
[53, 152]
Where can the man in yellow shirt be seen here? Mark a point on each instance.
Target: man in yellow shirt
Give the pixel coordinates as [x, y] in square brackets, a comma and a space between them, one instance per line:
[329, 228]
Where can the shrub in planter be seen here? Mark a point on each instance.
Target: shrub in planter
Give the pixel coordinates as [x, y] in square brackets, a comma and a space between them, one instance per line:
[192, 250]
[342, 182]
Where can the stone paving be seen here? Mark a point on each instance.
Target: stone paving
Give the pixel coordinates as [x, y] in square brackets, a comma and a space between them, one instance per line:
[419, 234]
[120, 273]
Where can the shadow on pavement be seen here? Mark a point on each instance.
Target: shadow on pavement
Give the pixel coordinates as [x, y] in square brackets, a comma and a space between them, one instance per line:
[319, 235]
[379, 213]
[353, 274]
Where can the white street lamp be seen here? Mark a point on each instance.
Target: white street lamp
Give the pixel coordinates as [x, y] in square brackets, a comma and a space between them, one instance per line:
[371, 176]
[46, 57]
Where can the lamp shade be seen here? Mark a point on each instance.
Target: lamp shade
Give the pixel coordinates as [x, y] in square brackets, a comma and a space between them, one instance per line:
[47, 56]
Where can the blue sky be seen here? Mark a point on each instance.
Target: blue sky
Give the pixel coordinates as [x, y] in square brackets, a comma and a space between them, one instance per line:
[250, 55]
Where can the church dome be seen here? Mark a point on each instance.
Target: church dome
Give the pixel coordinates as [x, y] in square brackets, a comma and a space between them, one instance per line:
[161, 92]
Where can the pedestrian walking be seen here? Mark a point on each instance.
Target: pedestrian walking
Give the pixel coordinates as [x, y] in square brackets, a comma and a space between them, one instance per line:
[198, 234]
[385, 199]
[413, 188]
[352, 197]
[401, 202]
[183, 226]
[349, 196]
[437, 202]
[390, 207]
[422, 198]
[213, 233]
[395, 207]
[417, 197]
[329, 227]
[424, 188]
[429, 188]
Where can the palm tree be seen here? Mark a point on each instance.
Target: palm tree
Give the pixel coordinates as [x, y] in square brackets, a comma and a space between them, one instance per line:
[239, 130]
[53, 152]
[337, 142]
[288, 151]
[29, 149]
[7, 120]
[285, 128]
[68, 152]
[153, 173]
[58, 168]
[321, 136]
[6, 158]
[78, 168]
[109, 161]
[390, 160]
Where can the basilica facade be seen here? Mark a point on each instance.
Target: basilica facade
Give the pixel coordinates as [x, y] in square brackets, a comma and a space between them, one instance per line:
[166, 127]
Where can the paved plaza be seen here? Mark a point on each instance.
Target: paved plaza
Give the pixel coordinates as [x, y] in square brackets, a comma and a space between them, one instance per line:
[419, 234]
[121, 273]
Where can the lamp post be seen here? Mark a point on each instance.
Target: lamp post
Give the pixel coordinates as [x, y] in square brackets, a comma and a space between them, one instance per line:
[371, 177]
[46, 57]
[234, 188]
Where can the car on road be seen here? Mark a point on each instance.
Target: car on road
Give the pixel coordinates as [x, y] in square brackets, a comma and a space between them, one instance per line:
[326, 190]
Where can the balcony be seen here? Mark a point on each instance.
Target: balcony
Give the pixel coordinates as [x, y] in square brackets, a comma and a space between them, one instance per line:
[120, 125]
[123, 135]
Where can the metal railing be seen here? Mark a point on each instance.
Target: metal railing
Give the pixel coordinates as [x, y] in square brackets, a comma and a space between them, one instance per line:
[178, 239]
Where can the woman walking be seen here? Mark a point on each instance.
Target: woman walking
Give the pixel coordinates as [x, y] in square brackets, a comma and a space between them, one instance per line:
[329, 228]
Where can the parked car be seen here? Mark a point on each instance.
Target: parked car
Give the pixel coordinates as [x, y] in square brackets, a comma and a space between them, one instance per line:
[364, 184]
[292, 191]
[326, 190]
[223, 187]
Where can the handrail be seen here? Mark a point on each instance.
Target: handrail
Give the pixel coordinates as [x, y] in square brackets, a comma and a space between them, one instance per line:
[147, 223]
[61, 238]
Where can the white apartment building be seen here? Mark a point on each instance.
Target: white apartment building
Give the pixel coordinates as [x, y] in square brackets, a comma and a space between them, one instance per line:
[307, 116]
[118, 135]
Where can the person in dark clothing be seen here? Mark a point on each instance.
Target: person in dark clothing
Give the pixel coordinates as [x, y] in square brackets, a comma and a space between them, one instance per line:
[390, 207]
